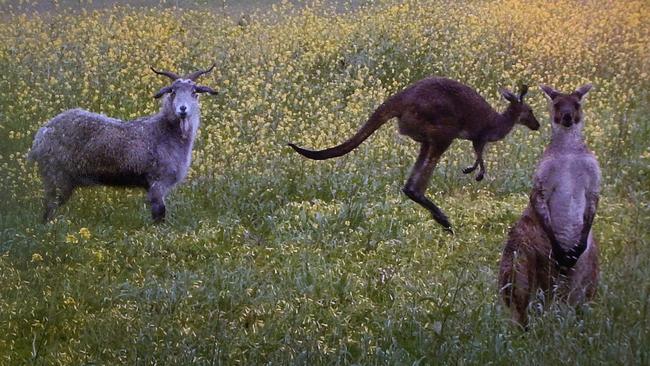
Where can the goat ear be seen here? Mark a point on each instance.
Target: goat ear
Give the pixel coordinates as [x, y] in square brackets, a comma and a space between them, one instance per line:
[508, 95]
[162, 92]
[550, 92]
[205, 89]
[582, 91]
[522, 92]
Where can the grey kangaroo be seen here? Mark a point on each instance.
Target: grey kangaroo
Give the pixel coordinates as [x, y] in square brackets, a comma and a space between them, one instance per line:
[551, 247]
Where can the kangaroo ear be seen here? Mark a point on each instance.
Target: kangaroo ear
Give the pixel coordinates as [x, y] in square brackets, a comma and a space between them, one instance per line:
[550, 92]
[522, 92]
[508, 95]
[162, 92]
[582, 91]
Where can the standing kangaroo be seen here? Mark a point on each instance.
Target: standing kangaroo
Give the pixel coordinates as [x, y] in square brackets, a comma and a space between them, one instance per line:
[434, 112]
[551, 247]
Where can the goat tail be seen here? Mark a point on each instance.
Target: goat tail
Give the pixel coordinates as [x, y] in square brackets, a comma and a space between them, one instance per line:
[381, 115]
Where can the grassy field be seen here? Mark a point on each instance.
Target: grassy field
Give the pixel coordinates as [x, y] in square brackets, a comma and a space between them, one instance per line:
[268, 258]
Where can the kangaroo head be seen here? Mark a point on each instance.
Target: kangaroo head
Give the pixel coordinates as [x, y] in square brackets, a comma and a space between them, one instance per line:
[519, 109]
[565, 109]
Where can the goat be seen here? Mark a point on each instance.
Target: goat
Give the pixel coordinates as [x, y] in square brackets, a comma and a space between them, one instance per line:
[551, 247]
[434, 112]
[79, 148]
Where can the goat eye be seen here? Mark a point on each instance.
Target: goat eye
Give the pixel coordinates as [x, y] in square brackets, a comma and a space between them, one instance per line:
[194, 95]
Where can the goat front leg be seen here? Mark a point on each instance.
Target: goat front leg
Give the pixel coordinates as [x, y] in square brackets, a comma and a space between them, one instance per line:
[156, 195]
[417, 182]
[478, 145]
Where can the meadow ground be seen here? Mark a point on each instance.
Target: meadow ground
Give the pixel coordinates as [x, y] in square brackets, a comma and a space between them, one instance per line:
[267, 257]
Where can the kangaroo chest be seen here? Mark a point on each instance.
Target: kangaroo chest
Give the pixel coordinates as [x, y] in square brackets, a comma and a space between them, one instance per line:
[567, 185]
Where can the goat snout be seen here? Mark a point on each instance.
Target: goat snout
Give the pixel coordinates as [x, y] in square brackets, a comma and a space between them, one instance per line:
[182, 111]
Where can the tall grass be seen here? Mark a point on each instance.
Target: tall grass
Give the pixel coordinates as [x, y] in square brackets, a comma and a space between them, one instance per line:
[270, 258]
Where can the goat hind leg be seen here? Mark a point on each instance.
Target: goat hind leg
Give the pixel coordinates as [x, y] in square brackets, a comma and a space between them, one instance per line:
[49, 202]
[417, 182]
[57, 193]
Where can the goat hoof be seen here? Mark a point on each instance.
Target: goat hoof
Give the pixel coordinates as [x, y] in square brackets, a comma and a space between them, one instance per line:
[468, 170]
[158, 219]
[479, 177]
[158, 213]
[449, 230]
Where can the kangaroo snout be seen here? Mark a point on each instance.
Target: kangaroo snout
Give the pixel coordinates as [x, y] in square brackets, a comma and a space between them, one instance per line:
[567, 120]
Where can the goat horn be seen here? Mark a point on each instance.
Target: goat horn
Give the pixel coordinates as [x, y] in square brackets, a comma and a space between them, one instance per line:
[169, 74]
[193, 76]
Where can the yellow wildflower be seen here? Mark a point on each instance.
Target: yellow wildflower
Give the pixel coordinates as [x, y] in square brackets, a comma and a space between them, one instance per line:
[84, 233]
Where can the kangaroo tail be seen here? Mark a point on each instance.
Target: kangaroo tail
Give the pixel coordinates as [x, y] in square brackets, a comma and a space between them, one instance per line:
[380, 116]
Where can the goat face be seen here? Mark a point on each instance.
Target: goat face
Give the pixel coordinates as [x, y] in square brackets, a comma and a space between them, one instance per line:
[565, 109]
[183, 98]
[183, 101]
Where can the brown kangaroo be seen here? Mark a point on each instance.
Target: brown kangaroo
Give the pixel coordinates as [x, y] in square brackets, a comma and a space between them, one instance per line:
[434, 112]
[551, 248]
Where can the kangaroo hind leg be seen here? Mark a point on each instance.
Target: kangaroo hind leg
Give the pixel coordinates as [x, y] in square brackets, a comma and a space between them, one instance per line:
[418, 181]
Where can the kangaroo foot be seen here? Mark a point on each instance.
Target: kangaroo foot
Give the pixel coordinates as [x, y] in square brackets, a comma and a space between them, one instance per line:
[469, 169]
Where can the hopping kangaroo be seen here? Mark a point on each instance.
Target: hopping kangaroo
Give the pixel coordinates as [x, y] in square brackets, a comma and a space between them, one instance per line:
[434, 112]
[551, 248]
